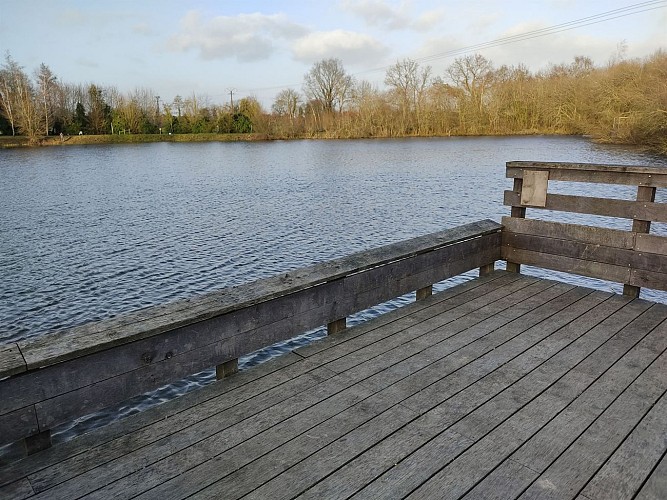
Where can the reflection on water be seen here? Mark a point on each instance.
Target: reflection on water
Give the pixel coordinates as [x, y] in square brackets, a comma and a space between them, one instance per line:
[87, 233]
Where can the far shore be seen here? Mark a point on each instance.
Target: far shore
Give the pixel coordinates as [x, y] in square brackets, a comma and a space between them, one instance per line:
[7, 142]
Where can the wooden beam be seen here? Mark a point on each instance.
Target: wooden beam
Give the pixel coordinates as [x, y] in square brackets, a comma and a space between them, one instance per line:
[120, 359]
[336, 326]
[226, 369]
[582, 267]
[86, 339]
[425, 292]
[486, 269]
[37, 442]
[587, 172]
[644, 194]
[645, 211]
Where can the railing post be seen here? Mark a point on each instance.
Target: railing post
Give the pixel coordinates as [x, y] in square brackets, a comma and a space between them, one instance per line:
[226, 369]
[425, 292]
[37, 442]
[336, 326]
[486, 269]
[520, 212]
[644, 193]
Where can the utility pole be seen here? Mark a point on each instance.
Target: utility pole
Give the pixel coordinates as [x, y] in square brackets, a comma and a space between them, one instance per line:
[157, 112]
[231, 98]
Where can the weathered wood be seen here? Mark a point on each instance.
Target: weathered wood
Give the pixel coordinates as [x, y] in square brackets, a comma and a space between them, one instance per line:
[18, 490]
[587, 172]
[656, 485]
[226, 369]
[80, 341]
[88, 383]
[38, 442]
[643, 278]
[336, 326]
[651, 243]
[640, 226]
[486, 270]
[569, 265]
[534, 188]
[11, 360]
[586, 251]
[626, 209]
[519, 213]
[474, 465]
[203, 411]
[17, 424]
[403, 476]
[630, 465]
[517, 210]
[585, 234]
[572, 470]
[425, 292]
[463, 390]
[550, 442]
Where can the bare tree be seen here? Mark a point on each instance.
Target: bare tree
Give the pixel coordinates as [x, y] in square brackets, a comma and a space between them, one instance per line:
[286, 103]
[21, 97]
[474, 76]
[46, 82]
[7, 98]
[407, 83]
[328, 83]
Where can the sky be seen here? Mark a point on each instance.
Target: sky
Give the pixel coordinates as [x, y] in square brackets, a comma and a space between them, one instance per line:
[257, 48]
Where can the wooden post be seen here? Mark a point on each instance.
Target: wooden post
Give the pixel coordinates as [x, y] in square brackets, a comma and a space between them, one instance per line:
[486, 269]
[644, 193]
[520, 212]
[425, 292]
[226, 369]
[337, 326]
[37, 442]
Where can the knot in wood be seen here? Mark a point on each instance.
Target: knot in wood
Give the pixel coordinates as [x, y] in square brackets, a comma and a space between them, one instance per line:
[147, 357]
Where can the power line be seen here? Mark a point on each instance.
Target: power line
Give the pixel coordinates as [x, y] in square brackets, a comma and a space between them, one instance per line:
[529, 35]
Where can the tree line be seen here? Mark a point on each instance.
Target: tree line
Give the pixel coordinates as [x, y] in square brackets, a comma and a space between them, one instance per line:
[624, 101]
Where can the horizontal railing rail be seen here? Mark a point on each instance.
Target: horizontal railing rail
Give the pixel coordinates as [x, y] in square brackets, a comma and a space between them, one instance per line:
[635, 257]
[64, 375]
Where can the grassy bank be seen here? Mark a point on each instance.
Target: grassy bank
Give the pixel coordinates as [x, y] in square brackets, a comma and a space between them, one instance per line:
[78, 140]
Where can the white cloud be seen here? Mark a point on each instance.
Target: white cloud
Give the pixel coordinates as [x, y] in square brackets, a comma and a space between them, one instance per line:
[246, 37]
[381, 14]
[350, 47]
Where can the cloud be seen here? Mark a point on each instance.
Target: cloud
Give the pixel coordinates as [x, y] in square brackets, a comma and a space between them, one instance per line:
[379, 13]
[350, 47]
[246, 37]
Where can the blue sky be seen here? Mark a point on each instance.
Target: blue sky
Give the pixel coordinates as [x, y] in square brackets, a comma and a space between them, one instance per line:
[260, 47]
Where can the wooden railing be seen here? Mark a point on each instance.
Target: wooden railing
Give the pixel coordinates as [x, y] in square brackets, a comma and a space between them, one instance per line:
[61, 376]
[634, 257]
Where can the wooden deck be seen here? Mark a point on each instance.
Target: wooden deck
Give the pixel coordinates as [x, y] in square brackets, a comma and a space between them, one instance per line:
[507, 386]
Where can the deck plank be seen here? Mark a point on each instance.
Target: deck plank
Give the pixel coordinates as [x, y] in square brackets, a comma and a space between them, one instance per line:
[506, 386]
[387, 454]
[497, 437]
[630, 465]
[656, 485]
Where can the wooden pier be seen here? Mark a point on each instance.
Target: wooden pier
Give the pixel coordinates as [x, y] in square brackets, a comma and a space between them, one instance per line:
[505, 386]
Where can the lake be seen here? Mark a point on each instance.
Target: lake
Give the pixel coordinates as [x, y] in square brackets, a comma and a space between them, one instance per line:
[90, 232]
